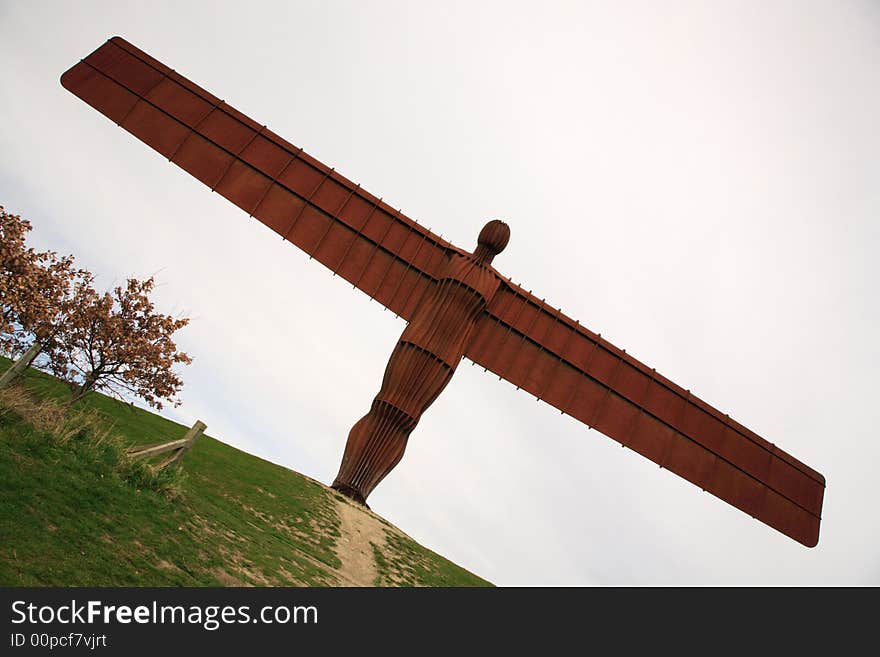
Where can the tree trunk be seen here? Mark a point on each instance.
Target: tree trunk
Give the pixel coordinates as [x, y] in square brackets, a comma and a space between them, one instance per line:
[80, 391]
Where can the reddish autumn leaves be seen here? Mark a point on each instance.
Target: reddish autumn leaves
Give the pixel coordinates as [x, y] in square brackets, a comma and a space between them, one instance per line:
[34, 286]
[114, 341]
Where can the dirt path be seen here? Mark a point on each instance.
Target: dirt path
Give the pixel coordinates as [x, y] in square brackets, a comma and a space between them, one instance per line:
[358, 530]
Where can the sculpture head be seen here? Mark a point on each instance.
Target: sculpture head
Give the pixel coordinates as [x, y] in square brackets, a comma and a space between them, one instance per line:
[492, 240]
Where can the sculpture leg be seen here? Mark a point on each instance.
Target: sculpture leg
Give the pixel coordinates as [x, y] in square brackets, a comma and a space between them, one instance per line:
[376, 443]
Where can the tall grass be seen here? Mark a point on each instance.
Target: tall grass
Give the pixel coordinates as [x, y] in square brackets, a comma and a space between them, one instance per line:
[61, 425]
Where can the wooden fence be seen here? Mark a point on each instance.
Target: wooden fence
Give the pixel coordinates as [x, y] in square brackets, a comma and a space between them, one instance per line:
[176, 449]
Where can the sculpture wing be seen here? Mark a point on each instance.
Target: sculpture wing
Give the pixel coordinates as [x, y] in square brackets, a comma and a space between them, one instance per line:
[538, 349]
[385, 254]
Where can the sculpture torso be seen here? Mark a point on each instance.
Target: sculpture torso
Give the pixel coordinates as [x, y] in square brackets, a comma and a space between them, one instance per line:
[422, 363]
[444, 319]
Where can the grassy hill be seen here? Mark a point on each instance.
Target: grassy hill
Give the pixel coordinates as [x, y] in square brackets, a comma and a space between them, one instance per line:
[75, 512]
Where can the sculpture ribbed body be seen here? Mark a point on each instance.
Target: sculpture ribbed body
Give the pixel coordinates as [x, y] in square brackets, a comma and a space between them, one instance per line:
[422, 363]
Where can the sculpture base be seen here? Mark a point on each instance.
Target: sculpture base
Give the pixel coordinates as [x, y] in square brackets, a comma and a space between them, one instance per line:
[351, 493]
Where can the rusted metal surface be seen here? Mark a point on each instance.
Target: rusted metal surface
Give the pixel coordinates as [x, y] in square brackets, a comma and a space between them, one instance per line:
[456, 303]
[359, 237]
[422, 364]
[578, 372]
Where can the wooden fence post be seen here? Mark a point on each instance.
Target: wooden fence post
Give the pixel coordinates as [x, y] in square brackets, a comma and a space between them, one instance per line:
[20, 365]
[177, 448]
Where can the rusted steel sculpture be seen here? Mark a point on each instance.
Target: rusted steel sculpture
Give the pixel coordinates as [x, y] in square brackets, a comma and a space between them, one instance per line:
[456, 304]
[422, 363]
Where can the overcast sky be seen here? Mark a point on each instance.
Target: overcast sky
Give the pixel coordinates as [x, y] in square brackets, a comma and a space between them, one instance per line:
[699, 182]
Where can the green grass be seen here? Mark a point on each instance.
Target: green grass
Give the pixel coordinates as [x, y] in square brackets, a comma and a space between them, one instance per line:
[403, 562]
[73, 512]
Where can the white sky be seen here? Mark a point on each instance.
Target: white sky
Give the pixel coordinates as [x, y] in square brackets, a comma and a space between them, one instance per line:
[698, 182]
